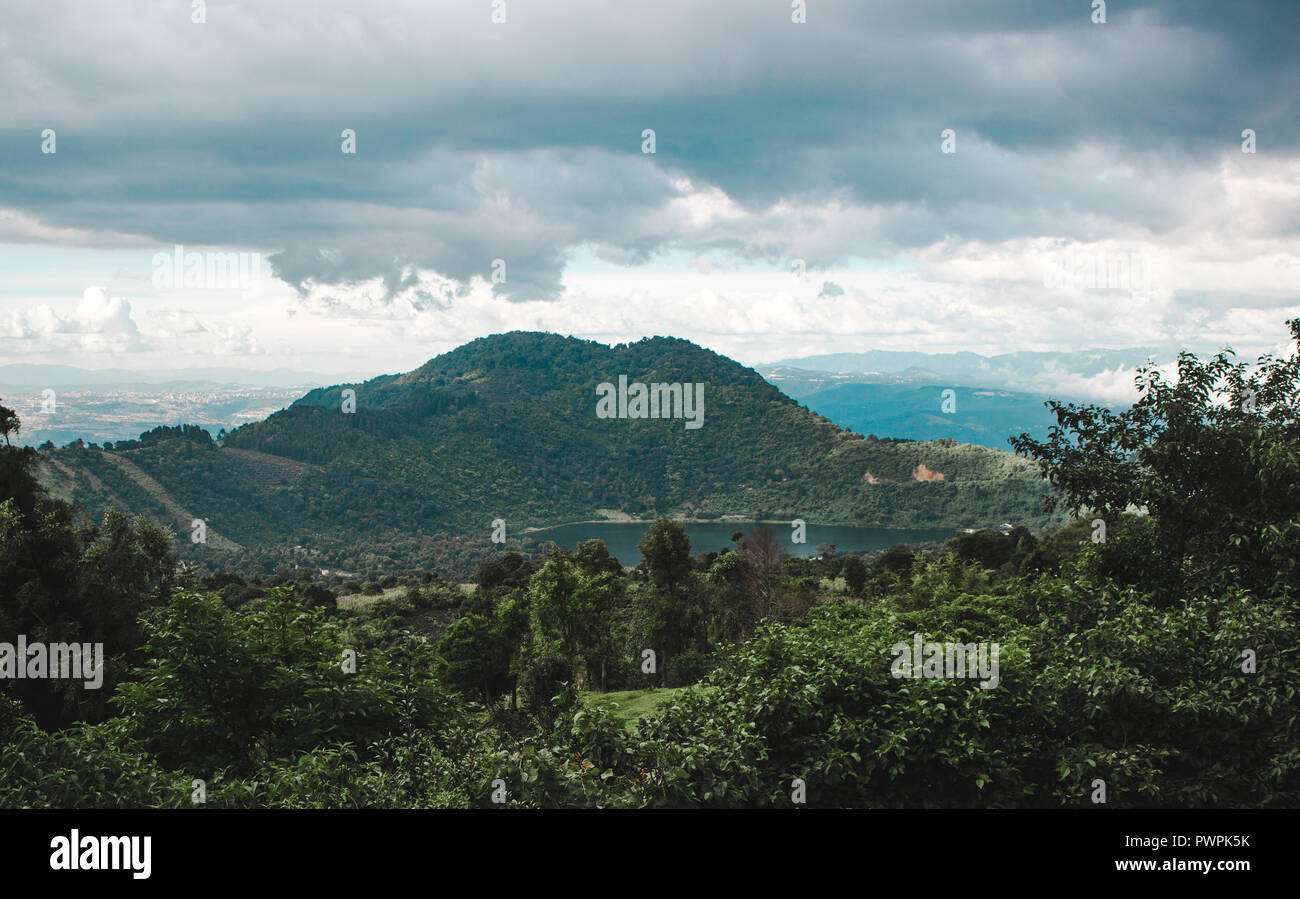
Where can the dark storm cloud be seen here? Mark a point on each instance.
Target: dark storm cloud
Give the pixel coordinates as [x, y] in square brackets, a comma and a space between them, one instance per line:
[522, 141]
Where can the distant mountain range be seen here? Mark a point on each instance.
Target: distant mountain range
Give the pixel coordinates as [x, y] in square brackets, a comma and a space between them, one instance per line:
[1097, 374]
[983, 417]
[507, 427]
[901, 394]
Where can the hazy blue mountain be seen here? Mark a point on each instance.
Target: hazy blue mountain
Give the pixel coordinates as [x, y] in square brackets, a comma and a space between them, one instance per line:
[900, 394]
[1042, 373]
[984, 417]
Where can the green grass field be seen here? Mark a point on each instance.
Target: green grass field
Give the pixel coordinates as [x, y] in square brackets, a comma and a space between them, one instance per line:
[361, 602]
[629, 705]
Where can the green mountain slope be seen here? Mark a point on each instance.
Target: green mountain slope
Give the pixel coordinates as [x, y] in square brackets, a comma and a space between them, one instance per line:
[506, 427]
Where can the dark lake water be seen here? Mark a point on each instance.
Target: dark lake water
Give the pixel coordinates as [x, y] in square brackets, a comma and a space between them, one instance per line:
[622, 537]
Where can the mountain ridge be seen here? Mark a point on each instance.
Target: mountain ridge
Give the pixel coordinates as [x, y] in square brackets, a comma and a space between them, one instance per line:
[505, 426]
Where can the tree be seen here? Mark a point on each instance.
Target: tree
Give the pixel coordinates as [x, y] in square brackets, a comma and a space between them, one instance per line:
[992, 549]
[476, 659]
[508, 571]
[855, 574]
[416, 599]
[593, 557]
[575, 608]
[1213, 462]
[670, 615]
[666, 553]
[730, 611]
[762, 572]
[64, 580]
[9, 422]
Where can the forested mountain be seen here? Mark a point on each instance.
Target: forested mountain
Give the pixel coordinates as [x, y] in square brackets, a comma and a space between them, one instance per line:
[506, 427]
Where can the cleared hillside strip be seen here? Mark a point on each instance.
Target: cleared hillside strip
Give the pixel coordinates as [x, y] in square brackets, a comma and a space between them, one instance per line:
[175, 511]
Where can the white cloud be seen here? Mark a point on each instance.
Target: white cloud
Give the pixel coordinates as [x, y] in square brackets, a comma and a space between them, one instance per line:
[99, 323]
[235, 339]
[775, 143]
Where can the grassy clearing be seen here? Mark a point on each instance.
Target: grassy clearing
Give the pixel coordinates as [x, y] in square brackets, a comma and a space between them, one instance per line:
[629, 705]
[360, 601]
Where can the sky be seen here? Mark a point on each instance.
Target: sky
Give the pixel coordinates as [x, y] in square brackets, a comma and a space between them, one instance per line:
[934, 176]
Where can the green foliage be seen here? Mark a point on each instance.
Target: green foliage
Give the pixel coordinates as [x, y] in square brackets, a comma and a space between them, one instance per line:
[1104, 684]
[574, 607]
[545, 672]
[855, 574]
[1128, 660]
[666, 554]
[236, 688]
[1213, 458]
[417, 772]
[83, 767]
[476, 657]
[66, 580]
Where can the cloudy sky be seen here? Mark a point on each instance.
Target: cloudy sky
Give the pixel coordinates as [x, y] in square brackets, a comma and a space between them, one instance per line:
[799, 198]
